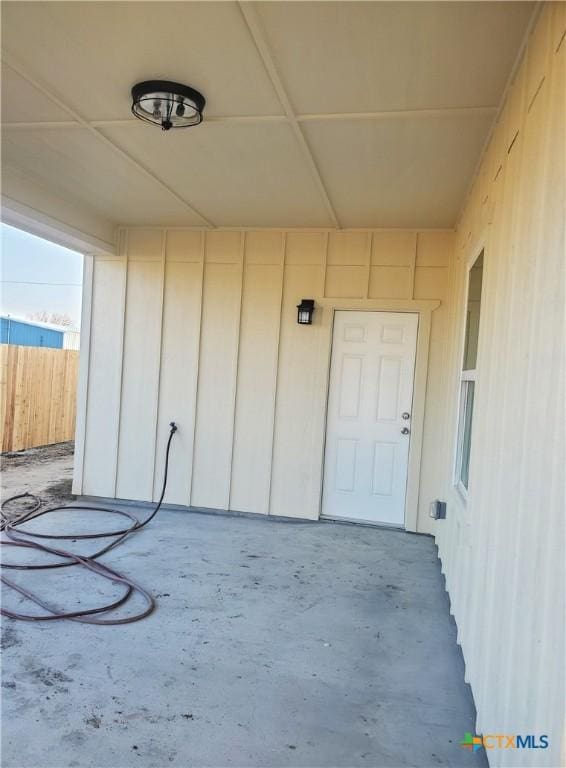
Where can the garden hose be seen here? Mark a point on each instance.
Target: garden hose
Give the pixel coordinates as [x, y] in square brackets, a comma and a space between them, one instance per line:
[15, 537]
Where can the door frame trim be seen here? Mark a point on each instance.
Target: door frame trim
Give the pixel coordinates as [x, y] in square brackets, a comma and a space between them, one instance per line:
[424, 308]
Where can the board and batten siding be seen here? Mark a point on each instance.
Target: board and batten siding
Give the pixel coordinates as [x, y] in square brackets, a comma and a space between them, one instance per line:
[200, 327]
[502, 551]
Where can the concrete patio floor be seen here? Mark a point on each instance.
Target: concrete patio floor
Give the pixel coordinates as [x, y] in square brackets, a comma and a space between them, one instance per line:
[274, 644]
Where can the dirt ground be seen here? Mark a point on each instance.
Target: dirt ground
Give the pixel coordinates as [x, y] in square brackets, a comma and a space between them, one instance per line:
[47, 472]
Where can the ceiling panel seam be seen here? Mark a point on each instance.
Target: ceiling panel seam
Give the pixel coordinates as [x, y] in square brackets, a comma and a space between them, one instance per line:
[254, 119]
[395, 114]
[260, 40]
[78, 119]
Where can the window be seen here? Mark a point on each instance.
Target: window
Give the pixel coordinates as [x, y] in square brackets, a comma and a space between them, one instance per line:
[468, 375]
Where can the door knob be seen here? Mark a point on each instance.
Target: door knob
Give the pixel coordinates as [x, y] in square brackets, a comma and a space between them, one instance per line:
[405, 415]
[405, 431]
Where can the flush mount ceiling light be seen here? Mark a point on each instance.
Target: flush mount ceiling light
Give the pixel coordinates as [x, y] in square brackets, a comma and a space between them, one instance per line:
[167, 104]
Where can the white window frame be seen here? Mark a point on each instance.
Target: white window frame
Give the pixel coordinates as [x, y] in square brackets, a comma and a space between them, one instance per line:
[466, 376]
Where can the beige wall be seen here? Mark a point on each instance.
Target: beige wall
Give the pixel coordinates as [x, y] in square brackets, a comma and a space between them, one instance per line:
[503, 550]
[201, 328]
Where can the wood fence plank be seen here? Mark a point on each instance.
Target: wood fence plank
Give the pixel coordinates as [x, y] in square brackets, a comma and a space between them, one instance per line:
[8, 422]
[48, 386]
[37, 396]
[20, 403]
[4, 388]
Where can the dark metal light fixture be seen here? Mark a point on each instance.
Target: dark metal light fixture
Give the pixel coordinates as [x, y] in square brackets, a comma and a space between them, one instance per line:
[437, 510]
[167, 104]
[305, 311]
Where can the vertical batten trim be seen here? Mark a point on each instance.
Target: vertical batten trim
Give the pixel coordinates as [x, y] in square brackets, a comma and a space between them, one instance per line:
[326, 343]
[325, 264]
[413, 264]
[276, 382]
[369, 247]
[197, 372]
[159, 358]
[124, 247]
[420, 386]
[237, 364]
[323, 356]
[450, 322]
[84, 374]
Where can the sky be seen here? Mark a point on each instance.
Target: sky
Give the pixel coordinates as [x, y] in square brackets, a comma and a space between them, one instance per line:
[37, 275]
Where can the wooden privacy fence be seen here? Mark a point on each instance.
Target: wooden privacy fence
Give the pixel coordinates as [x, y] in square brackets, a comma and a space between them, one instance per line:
[38, 399]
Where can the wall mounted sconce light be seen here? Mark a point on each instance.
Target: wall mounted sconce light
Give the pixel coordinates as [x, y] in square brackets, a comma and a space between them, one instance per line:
[167, 104]
[305, 311]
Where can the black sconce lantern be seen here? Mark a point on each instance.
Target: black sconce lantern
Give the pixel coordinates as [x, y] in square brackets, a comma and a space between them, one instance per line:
[305, 311]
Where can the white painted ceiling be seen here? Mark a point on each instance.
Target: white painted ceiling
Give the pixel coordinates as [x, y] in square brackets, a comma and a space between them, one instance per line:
[318, 114]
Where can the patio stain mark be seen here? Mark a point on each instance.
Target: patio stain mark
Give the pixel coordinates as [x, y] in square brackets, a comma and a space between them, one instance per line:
[51, 678]
[9, 637]
[94, 721]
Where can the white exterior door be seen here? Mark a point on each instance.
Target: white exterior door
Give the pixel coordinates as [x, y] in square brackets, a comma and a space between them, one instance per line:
[369, 416]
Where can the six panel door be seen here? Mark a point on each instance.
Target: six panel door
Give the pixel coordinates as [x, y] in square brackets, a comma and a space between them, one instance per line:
[369, 416]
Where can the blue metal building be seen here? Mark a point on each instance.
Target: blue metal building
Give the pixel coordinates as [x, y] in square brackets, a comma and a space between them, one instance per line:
[29, 334]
